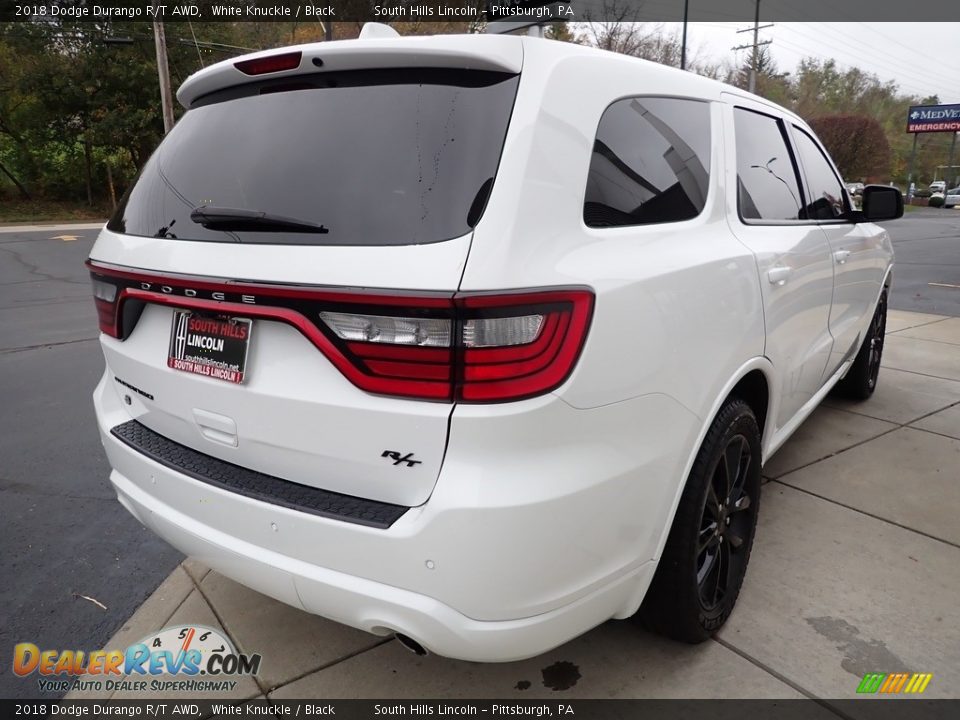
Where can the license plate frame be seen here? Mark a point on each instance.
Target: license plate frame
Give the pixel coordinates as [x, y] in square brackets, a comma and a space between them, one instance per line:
[209, 344]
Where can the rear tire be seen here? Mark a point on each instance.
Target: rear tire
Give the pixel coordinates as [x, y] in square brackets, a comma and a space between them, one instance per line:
[704, 562]
[861, 379]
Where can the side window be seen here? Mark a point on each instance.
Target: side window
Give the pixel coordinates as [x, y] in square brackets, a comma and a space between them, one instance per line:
[650, 163]
[826, 200]
[766, 178]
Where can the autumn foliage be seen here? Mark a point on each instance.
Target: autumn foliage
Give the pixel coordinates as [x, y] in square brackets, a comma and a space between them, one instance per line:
[857, 144]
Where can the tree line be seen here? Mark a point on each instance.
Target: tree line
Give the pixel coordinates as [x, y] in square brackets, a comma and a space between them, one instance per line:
[80, 110]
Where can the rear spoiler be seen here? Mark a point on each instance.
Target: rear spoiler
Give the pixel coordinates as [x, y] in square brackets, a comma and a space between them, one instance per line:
[469, 52]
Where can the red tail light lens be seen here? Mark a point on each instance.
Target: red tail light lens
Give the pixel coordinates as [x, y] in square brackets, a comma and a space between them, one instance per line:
[105, 296]
[494, 348]
[535, 363]
[269, 64]
[470, 347]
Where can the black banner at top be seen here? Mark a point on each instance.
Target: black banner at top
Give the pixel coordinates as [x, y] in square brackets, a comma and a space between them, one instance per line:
[555, 707]
[479, 11]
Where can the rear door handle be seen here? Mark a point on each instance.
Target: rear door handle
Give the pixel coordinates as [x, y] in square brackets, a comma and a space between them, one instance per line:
[778, 275]
[841, 256]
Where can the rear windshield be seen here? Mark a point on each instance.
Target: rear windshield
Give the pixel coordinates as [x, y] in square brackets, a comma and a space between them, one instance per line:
[354, 158]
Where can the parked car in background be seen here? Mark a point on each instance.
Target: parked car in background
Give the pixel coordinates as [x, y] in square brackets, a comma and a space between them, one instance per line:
[855, 188]
[487, 344]
[938, 186]
[952, 198]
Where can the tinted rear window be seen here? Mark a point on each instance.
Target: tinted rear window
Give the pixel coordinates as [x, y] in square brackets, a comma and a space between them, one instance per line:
[378, 158]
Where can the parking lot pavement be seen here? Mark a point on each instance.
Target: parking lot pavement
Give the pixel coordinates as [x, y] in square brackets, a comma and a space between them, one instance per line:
[927, 274]
[66, 540]
[853, 571]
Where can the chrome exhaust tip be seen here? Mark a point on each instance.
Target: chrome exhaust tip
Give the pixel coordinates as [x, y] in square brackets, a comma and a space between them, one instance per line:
[410, 644]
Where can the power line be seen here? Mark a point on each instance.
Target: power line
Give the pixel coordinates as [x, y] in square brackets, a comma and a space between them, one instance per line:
[839, 12]
[873, 60]
[910, 84]
[755, 60]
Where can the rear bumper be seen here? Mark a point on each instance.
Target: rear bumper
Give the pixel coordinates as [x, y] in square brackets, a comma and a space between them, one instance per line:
[507, 559]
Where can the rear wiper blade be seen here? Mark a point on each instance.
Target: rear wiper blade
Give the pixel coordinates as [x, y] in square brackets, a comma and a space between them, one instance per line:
[238, 219]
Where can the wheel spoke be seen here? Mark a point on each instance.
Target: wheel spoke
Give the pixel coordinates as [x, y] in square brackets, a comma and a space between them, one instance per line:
[719, 537]
[713, 502]
[704, 571]
[731, 464]
[709, 542]
[722, 567]
[745, 459]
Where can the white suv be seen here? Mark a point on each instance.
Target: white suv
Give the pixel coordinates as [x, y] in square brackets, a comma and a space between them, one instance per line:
[480, 341]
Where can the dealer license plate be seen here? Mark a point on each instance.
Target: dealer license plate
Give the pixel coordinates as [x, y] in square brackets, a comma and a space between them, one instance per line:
[210, 345]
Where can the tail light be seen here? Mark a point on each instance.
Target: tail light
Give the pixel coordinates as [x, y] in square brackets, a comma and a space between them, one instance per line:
[105, 298]
[469, 347]
[486, 348]
[520, 345]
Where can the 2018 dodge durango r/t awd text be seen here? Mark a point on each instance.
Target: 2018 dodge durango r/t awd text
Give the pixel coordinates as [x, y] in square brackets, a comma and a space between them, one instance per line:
[479, 340]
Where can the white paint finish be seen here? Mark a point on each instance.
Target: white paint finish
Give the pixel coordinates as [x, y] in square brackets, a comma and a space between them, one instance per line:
[617, 660]
[534, 520]
[470, 52]
[296, 416]
[434, 266]
[796, 281]
[489, 516]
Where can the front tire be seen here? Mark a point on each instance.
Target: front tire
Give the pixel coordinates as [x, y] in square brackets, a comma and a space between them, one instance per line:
[704, 562]
[861, 380]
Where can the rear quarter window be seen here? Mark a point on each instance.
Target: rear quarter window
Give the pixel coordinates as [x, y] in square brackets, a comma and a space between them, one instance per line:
[650, 163]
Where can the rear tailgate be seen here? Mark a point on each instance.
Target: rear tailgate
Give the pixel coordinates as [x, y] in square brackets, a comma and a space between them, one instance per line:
[394, 165]
[295, 416]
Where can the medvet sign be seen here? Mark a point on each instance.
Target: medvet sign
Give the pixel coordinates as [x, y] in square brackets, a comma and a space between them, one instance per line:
[933, 118]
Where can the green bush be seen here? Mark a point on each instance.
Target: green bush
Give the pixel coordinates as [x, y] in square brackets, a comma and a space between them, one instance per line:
[935, 201]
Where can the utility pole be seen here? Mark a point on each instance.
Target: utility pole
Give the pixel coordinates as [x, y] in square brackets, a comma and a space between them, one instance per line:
[755, 58]
[950, 175]
[756, 50]
[683, 47]
[913, 159]
[163, 71]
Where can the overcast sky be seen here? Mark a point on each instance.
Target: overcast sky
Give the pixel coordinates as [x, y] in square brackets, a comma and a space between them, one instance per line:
[922, 58]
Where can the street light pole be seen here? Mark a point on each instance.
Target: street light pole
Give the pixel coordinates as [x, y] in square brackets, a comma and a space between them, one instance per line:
[163, 71]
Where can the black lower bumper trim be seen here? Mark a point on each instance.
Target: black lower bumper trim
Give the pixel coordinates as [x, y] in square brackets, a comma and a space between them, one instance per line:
[256, 485]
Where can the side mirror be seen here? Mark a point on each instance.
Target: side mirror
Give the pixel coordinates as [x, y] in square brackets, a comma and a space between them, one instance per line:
[881, 202]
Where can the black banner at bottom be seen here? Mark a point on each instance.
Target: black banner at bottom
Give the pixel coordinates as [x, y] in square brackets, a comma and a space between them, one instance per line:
[873, 708]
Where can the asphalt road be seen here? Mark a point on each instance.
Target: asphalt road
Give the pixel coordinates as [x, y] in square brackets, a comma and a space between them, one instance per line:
[62, 532]
[926, 278]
